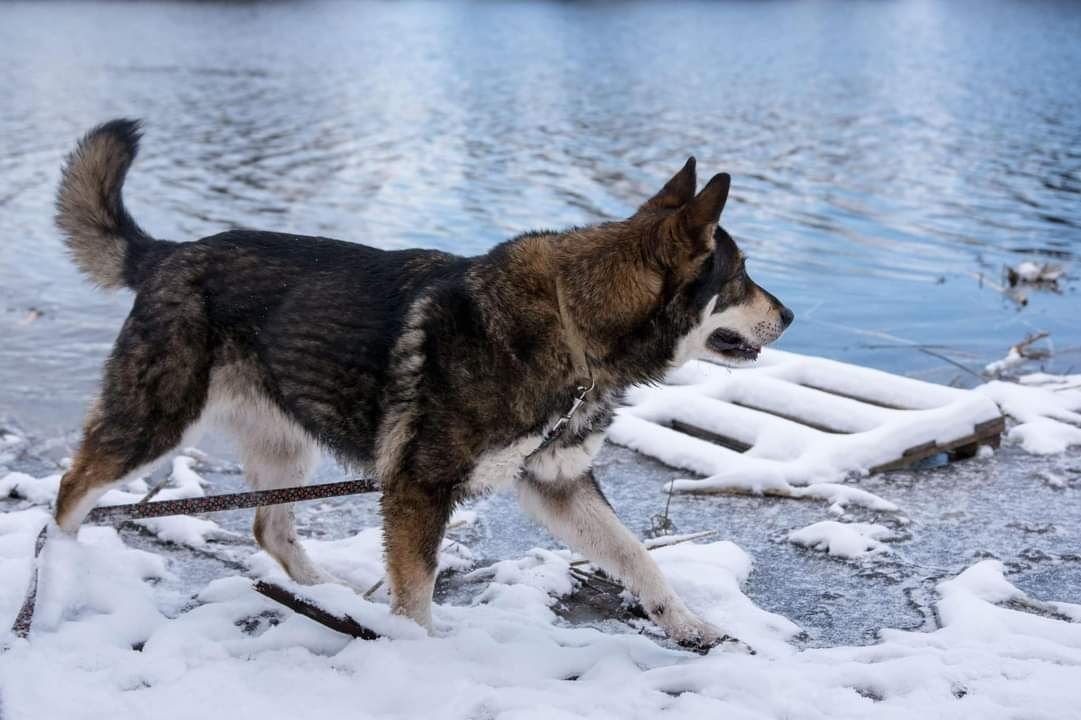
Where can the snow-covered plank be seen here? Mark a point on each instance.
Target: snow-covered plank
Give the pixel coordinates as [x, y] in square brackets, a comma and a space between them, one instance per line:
[796, 420]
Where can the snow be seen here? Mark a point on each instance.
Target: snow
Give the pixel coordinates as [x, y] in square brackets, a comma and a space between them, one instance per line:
[845, 540]
[184, 530]
[40, 491]
[752, 405]
[1013, 359]
[230, 652]
[1071, 611]
[183, 482]
[356, 561]
[116, 636]
[837, 495]
[1047, 409]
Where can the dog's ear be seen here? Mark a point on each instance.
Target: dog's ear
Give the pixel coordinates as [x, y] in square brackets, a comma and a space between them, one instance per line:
[705, 209]
[692, 225]
[676, 192]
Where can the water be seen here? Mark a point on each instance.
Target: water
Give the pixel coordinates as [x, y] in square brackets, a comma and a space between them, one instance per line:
[881, 153]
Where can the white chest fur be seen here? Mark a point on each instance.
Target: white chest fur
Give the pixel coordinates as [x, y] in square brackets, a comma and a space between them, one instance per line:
[498, 468]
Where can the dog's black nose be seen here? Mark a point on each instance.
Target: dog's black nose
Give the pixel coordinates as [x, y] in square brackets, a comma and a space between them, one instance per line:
[787, 316]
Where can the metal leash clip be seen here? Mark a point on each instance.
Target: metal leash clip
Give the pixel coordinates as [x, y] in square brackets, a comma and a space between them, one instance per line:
[554, 432]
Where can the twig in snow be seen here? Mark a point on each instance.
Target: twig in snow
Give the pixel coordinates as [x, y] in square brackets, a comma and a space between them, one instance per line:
[588, 578]
[1024, 345]
[670, 540]
[156, 487]
[340, 623]
[371, 591]
[585, 579]
[659, 542]
[21, 627]
[661, 524]
[1018, 354]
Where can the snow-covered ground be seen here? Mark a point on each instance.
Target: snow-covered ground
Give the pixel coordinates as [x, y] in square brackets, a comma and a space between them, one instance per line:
[957, 596]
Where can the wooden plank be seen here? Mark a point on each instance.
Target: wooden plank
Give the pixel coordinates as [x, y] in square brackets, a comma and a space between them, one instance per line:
[919, 452]
[910, 457]
[985, 433]
[793, 418]
[865, 401]
[702, 434]
[990, 431]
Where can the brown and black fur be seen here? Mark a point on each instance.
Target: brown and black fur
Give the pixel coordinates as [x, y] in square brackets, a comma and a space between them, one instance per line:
[418, 364]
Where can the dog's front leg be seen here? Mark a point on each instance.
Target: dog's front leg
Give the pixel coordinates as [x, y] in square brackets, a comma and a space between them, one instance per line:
[577, 513]
[414, 519]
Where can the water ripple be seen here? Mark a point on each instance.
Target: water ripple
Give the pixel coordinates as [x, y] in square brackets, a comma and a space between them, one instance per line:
[879, 154]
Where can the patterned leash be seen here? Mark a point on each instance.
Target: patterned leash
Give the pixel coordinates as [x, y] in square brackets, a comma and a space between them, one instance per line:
[190, 506]
[232, 501]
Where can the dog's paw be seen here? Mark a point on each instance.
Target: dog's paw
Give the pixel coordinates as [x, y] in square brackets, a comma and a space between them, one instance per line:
[695, 634]
[702, 643]
[311, 574]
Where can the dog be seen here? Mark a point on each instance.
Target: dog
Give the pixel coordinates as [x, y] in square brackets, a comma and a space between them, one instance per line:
[445, 376]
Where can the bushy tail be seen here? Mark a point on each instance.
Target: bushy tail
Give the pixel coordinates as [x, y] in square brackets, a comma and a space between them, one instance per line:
[102, 238]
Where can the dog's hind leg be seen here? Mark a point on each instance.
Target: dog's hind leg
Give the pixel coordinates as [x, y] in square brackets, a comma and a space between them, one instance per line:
[277, 453]
[280, 456]
[275, 527]
[155, 389]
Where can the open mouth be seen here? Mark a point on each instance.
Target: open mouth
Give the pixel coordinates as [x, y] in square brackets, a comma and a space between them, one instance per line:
[732, 345]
